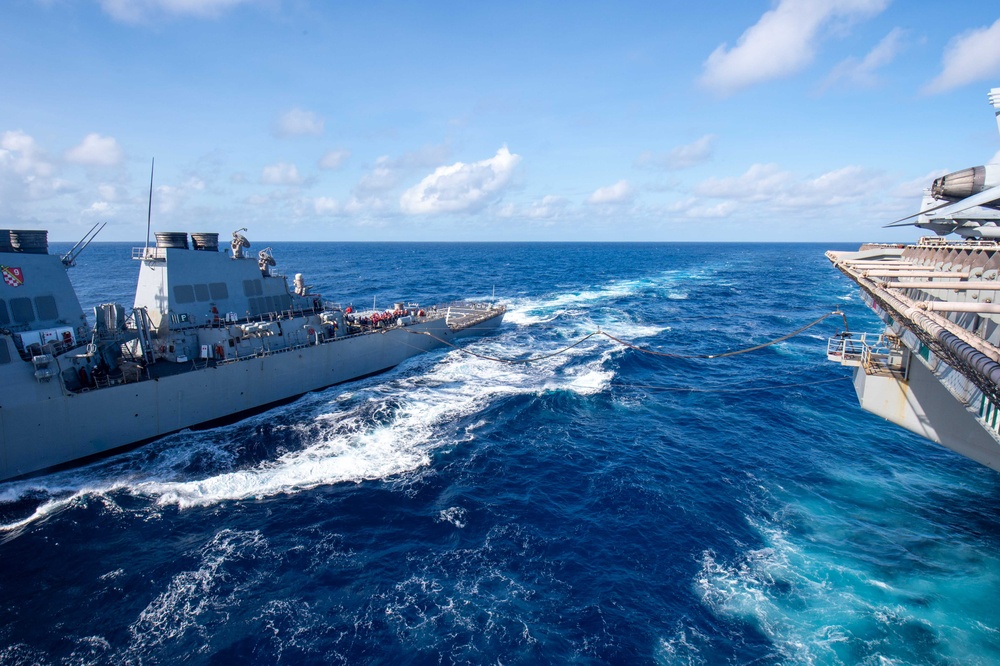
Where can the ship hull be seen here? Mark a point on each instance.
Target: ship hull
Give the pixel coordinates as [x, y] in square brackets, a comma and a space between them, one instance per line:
[922, 405]
[64, 428]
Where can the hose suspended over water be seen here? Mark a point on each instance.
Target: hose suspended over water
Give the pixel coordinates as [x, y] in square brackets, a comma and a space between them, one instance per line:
[629, 345]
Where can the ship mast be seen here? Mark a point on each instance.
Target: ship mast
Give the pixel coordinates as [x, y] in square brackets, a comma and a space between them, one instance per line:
[149, 211]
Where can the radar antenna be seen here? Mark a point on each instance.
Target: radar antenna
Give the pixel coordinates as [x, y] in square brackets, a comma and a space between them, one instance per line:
[265, 260]
[239, 243]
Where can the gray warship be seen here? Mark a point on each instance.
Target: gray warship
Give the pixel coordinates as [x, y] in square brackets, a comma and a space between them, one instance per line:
[212, 335]
[935, 367]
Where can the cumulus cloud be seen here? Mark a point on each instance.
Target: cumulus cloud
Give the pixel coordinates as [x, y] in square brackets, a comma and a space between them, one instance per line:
[135, 11]
[862, 73]
[384, 176]
[969, 57]
[96, 150]
[26, 173]
[767, 183]
[298, 122]
[619, 193]
[99, 209]
[681, 157]
[20, 154]
[781, 43]
[461, 187]
[281, 174]
[334, 159]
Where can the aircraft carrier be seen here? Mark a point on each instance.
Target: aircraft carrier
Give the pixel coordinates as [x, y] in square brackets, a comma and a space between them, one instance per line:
[935, 368]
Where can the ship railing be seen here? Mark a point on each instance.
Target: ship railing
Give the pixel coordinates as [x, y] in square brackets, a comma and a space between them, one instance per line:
[876, 353]
[149, 254]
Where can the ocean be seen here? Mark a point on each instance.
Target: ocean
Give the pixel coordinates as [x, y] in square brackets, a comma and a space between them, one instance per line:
[599, 506]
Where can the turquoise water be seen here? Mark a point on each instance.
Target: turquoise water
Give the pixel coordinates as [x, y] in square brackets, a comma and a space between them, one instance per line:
[599, 506]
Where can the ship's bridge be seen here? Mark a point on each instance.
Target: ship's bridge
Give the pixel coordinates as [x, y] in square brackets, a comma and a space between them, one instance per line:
[182, 286]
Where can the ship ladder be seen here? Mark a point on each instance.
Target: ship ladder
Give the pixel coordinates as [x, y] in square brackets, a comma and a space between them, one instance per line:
[143, 324]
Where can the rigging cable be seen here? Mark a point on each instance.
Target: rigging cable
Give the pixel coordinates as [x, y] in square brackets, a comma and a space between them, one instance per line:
[728, 353]
[727, 389]
[636, 348]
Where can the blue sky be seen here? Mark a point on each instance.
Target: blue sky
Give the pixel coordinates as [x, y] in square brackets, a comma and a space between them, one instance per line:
[799, 120]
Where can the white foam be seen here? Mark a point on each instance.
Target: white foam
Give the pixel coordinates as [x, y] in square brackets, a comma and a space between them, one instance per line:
[817, 604]
[380, 428]
[194, 595]
[454, 515]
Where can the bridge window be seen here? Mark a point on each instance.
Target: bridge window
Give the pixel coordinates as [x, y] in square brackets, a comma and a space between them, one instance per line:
[4, 317]
[46, 307]
[201, 292]
[183, 293]
[22, 310]
[252, 288]
[219, 290]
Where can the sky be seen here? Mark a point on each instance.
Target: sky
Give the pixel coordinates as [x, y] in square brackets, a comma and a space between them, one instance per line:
[778, 120]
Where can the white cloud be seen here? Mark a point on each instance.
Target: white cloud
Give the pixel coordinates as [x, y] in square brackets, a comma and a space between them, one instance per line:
[134, 11]
[99, 209]
[281, 174]
[383, 177]
[109, 192]
[168, 199]
[461, 187]
[781, 43]
[334, 159]
[969, 57]
[769, 185]
[326, 206]
[619, 193]
[96, 150]
[298, 122]
[695, 208]
[548, 208]
[20, 154]
[681, 157]
[862, 72]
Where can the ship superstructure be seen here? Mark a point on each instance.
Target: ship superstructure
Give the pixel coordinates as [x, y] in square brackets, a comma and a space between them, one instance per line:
[211, 335]
[935, 368]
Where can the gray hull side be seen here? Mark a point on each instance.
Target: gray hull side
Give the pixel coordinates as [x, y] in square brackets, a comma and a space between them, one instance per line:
[923, 405]
[41, 434]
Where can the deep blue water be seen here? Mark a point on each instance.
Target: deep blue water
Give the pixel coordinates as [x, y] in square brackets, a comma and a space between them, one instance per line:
[602, 506]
